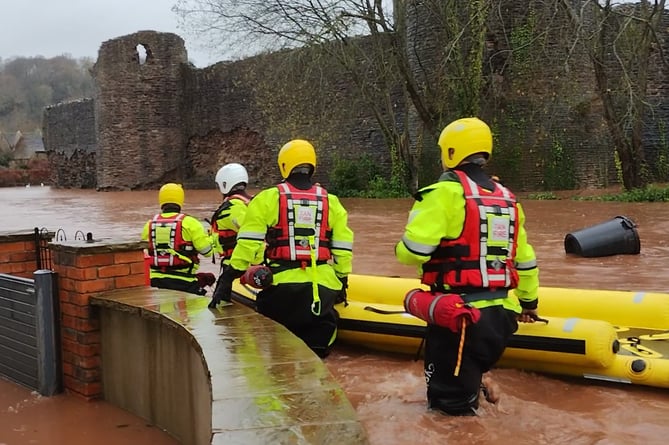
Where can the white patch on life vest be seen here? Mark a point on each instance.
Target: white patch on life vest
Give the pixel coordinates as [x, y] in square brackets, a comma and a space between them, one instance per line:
[498, 229]
[306, 216]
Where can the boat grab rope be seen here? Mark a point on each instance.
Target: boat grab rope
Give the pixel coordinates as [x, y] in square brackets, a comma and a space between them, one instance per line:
[376, 310]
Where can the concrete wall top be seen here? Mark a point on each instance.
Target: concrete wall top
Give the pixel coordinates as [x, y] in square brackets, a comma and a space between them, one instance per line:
[262, 384]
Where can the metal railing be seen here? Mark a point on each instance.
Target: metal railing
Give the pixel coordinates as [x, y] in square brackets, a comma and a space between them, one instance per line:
[43, 237]
[42, 251]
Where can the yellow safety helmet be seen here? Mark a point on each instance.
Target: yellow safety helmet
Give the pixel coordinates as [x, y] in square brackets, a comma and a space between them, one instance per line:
[171, 194]
[463, 138]
[294, 153]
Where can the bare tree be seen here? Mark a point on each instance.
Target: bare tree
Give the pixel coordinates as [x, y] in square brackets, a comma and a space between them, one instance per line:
[454, 71]
[621, 39]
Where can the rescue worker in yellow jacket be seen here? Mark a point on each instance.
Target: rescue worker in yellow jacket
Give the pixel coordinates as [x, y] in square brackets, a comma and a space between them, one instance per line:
[466, 233]
[231, 180]
[175, 242]
[309, 250]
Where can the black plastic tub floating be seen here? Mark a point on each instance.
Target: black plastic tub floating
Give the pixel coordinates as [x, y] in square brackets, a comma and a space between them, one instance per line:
[613, 237]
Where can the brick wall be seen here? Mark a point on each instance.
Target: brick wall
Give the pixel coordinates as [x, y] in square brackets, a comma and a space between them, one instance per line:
[85, 270]
[17, 254]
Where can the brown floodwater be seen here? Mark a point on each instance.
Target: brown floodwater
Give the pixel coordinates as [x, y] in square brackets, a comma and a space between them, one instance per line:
[388, 391]
[28, 418]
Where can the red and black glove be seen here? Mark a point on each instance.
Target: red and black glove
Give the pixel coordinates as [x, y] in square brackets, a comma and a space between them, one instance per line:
[259, 277]
[205, 279]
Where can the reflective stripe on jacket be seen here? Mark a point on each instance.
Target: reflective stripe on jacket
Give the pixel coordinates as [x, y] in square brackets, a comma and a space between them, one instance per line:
[302, 226]
[192, 233]
[263, 213]
[483, 255]
[226, 220]
[439, 213]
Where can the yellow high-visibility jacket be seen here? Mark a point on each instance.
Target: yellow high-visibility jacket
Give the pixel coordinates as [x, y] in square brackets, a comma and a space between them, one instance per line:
[263, 213]
[191, 230]
[229, 220]
[440, 213]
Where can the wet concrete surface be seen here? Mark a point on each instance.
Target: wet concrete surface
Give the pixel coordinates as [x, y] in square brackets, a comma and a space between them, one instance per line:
[264, 384]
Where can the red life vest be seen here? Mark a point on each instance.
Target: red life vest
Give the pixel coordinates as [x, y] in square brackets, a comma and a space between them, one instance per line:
[302, 213]
[483, 255]
[168, 249]
[227, 238]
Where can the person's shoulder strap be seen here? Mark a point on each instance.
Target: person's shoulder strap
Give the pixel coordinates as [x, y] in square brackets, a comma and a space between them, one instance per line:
[217, 213]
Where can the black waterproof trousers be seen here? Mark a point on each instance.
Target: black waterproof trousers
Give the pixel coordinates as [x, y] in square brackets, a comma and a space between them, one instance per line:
[291, 304]
[484, 344]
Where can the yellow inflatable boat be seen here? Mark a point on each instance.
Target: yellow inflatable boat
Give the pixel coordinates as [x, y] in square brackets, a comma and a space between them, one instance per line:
[605, 335]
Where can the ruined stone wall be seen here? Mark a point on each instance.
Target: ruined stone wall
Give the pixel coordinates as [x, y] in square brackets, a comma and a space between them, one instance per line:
[68, 131]
[550, 123]
[138, 111]
[656, 129]
[549, 100]
[539, 95]
[163, 120]
[245, 111]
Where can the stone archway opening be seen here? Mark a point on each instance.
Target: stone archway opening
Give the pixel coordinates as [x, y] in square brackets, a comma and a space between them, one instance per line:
[142, 53]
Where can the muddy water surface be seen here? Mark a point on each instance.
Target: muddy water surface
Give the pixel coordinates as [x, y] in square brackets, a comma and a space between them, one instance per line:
[388, 391]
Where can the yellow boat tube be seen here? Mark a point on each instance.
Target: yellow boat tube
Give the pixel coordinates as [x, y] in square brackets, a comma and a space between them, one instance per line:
[605, 335]
[574, 341]
[648, 310]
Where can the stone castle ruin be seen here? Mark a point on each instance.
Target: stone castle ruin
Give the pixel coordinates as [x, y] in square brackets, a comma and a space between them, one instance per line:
[165, 120]
[156, 118]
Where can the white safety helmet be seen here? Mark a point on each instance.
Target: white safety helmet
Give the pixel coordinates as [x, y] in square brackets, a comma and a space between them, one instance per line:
[229, 176]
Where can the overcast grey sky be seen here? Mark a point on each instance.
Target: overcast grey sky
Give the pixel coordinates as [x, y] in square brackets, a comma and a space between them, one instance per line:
[51, 28]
